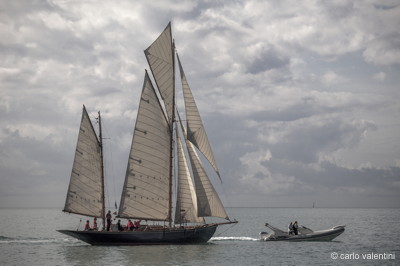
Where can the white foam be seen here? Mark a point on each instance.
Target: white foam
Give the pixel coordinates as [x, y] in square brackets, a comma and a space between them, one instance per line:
[234, 238]
[28, 241]
[36, 240]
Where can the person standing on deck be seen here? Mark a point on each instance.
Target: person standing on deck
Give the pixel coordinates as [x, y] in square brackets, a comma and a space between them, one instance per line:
[108, 217]
[290, 229]
[296, 228]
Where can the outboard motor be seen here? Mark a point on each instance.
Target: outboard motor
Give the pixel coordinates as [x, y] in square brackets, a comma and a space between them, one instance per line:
[264, 235]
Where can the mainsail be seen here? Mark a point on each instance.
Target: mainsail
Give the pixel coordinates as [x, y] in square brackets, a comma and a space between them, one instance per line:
[186, 201]
[145, 193]
[160, 56]
[196, 133]
[85, 194]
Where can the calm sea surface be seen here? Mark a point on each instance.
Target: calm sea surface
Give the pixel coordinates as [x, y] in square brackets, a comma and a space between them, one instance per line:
[29, 237]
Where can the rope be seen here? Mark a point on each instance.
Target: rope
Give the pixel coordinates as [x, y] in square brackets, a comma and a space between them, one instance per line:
[107, 170]
[79, 225]
[229, 227]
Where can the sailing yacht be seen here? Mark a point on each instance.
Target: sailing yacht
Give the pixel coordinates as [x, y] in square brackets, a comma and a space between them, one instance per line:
[159, 141]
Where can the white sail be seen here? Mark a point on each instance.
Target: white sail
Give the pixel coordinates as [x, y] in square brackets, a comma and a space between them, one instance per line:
[208, 202]
[160, 56]
[85, 188]
[186, 201]
[145, 193]
[195, 129]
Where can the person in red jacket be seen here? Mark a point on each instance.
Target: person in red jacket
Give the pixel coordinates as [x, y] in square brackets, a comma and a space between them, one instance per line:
[136, 224]
[94, 224]
[87, 226]
[129, 225]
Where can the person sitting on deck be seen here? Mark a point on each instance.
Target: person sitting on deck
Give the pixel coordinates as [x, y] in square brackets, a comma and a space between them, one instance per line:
[95, 224]
[137, 224]
[87, 226]
[119, 226]
[129, 225]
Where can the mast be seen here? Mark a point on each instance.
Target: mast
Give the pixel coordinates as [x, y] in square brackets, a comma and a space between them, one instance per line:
[172, 122]
[103, 207]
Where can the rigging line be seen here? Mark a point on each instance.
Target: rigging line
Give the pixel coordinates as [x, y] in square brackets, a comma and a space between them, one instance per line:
[110, 161]
[229, 202]
[79, 225]
[175, 174]
[105, 169]
[106, 179]
[227, 228]
[110, 150]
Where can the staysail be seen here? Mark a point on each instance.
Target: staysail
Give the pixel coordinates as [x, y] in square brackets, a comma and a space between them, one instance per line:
[208, 201]
[145, 194]
[84, 194]
[160, 56]
[196, 133]
[186, 201]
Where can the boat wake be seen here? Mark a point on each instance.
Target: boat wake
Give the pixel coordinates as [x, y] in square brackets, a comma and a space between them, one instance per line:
[31, 240]
[234, 238]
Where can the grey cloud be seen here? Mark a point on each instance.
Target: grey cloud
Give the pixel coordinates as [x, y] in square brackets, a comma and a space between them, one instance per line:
[255, 68]
[267, 60]
[385, 7]
[307, 141]
[333, 176]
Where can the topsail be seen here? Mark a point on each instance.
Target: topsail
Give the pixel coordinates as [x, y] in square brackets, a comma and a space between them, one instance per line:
[196, 133]
[160, 56]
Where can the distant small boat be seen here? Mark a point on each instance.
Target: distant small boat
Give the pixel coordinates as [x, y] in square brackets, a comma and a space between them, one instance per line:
[305, 234]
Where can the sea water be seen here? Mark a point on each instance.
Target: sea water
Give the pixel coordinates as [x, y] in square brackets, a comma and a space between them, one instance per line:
[372, 237]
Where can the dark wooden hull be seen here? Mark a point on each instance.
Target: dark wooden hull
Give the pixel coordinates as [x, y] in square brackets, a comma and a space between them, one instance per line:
[192, 235]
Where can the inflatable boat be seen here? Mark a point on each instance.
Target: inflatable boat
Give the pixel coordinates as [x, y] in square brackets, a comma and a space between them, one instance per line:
[304, 234]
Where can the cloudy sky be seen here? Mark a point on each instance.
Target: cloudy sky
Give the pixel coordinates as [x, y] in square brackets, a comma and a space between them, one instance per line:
[300, 98]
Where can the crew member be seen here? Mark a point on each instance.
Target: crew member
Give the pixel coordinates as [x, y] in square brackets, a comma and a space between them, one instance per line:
[94, 224]
[129, 225]
[296, 228]
[87, 226]
[119, 226]
[290, 229]
[108, 217]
